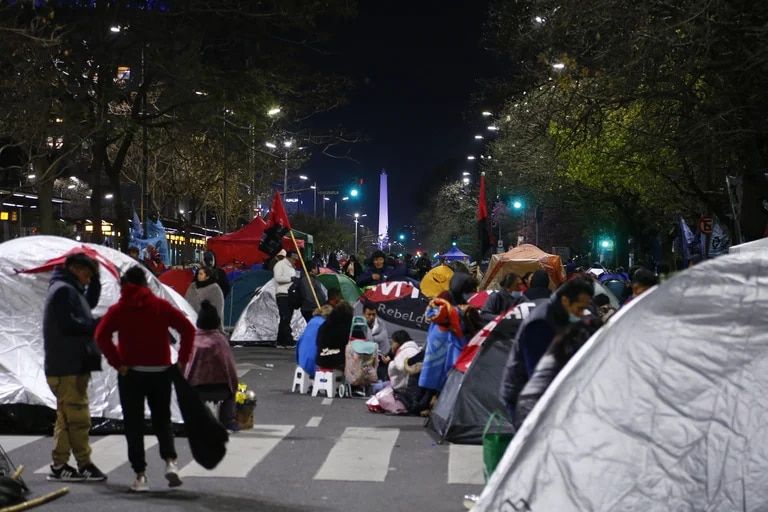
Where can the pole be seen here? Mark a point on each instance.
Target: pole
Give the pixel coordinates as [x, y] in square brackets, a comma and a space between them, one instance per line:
[285, 174]
[145, 150]
[335, 210]
[314, 206]
[323, 206]
[356, 222]
[304, 266]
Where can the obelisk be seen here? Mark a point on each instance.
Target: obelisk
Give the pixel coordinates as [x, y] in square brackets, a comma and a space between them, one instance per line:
[383, 211]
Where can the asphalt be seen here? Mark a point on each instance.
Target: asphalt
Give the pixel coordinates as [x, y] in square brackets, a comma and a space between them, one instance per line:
[284, 480]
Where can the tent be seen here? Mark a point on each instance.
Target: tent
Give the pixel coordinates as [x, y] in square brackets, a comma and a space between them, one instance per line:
[436, 281]
[754, 246]
[521, 259]
[471, 392]
[663, 409]
[258, 322]
[22, 378]
[243, 288]
[178, 278]
[349, 290]
[242, 246]
[400, 305]
[455, 254]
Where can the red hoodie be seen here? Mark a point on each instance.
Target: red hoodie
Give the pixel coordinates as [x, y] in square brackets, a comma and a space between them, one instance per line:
[141, 321]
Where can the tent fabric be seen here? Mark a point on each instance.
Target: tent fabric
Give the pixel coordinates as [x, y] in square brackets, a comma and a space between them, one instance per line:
[242, 246]
[455, 254]
[349, 290]
[22, 377]
[178, 278]
[436, 281]
[242, 290]
[258, 323]
[663, 409]
[400, 305]
[523, 258]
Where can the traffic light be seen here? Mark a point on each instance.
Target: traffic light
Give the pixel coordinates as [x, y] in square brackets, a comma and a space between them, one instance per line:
[517, 204]
[401, 236]
[353, 192]
[606, 243]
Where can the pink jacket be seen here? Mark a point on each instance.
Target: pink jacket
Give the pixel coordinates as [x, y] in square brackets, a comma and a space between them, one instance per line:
[212, 361]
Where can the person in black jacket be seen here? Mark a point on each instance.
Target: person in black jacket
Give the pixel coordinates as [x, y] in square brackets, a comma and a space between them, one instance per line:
[70, 356]
[308, 304]
[504, 299]
[217, 273]
[378, 271]
[332, 337]
[539, 286]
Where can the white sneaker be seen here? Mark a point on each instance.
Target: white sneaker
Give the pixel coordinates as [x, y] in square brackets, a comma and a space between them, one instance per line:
[172, 474]
[140, 484]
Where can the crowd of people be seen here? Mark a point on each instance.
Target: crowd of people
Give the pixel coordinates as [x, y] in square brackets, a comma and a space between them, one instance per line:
[396, 374]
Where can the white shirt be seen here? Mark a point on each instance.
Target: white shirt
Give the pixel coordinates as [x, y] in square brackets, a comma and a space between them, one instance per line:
[284, 273]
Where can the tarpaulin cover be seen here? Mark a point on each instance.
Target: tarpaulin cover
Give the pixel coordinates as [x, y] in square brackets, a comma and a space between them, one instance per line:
[523, 258]
[400, 305]
[22, 377]
[258, 322]
[471, 392]
[242, 246]
[664, 409]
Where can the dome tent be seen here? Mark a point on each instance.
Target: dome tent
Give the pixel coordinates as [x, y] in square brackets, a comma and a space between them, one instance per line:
[521, 259]
[22, 378]
[663, 409]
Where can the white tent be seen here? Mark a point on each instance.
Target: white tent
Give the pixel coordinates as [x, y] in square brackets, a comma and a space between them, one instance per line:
[260, 318]
[663, 409]
[753, 246]
[22, 377]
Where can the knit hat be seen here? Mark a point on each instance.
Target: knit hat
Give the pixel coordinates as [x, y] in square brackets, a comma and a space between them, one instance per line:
[208, 317]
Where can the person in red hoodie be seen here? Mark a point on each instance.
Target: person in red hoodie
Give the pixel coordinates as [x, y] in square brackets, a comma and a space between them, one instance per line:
[142, 357]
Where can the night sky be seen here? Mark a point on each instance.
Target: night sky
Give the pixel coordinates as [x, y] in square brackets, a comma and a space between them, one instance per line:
[415, 64]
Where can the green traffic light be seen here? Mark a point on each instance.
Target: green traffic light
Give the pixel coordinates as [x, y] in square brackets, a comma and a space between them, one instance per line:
[401, 236]
[517, 204]
[606, 244]
[453, 244]
[353, 192]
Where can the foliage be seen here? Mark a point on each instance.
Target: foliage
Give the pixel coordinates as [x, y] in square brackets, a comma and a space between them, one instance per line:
[450, 215]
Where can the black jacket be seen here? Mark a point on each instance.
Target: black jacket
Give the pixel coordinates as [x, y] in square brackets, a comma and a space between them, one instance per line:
[68, 324]
[307, 299]
[332, 338]
[499, 302]
[387, 273]
[221, 279]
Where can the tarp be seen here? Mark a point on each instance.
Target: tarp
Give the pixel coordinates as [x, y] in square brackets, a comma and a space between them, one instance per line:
[258, 323]
[242, 290]
[242, 246]
[400, 305]
[349, 290]
[22, 377]
[523, 258]
[663, 409]
[455, 254]
[436, 281]
[754, 246]
[178, 278]
[471, 393]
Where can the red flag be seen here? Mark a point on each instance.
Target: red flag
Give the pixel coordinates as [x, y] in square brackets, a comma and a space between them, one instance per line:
[277, 215]
[482, 220]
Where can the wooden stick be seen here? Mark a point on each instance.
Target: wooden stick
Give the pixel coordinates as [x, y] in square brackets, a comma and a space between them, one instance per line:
[45, 498]
[304, 266]
[17, 474]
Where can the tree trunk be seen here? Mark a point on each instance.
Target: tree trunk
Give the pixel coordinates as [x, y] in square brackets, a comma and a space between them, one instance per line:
[97, 161]
[45, 203]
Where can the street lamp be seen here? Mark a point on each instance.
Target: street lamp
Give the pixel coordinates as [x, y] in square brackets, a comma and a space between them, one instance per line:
[357, 221]
[273, 111]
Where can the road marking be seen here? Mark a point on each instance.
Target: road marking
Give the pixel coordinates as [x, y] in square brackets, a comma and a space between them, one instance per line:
[314, 421]
[109, 453]
[361, 454]
[242, 371]
[9, 443]
[465, 464]
[327, 401]
[244, 451]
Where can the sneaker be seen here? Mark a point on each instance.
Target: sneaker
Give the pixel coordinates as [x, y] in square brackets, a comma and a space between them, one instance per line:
[172, 474]
[65, 473]
[92, 474]
[140, 484]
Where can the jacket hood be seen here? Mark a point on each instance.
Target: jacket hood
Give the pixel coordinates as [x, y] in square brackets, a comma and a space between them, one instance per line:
[461, 284]
[135, 296]
[409, 345]
[62, 274]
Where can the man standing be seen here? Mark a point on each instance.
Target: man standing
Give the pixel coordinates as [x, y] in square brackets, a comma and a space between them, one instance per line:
[535, 334]
[308, 304]
[70, 357]
[142, 358]
[285, 272]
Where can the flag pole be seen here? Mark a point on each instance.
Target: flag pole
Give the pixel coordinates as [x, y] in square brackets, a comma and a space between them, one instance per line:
[304, 266]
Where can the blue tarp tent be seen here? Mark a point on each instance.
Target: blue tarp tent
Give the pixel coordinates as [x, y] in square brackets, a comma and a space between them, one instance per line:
[455, 254]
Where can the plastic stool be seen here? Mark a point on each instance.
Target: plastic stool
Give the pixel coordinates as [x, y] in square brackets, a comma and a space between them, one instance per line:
[328, 380]
[301, 380]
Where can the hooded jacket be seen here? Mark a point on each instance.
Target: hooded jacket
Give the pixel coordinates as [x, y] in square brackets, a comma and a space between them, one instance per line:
[284, 273]
[332, 338]
[68, 323]
[379, 335]
[396, 370]
[141, 320]
[207, 290]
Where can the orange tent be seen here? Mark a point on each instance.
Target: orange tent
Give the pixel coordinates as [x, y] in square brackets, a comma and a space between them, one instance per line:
[520, 260]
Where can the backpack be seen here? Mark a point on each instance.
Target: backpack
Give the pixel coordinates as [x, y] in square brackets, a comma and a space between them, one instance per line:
[294, 294]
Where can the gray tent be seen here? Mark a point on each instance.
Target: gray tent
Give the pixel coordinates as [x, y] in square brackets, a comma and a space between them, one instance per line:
[471, 392]
[663, 409]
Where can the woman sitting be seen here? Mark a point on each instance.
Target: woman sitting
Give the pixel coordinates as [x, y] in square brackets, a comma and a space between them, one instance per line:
[211, 370]
[403, 349]
[306, 348]
[332, 338]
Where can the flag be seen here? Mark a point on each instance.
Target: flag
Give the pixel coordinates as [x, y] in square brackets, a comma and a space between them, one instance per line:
[482, 221]
[137, 231]
[277, 227]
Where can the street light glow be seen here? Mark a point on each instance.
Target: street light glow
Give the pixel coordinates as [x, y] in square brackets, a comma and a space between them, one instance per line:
[271, 145]
[313, 187]
[465, 173]
[517, 204]
[273, 111]
[288, 143]
[345, 198]
[478, 137]
[108, 196]
[114, 29]
[493, 128]
[303, 177]
[558, 66]
[31, 176]
[471, 157]
[353, 192]
[486, 113]
[357, 215]
[465, 180]
[326, 198]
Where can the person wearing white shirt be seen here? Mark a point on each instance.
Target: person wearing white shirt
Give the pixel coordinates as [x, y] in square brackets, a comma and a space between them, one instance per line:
[284, 272]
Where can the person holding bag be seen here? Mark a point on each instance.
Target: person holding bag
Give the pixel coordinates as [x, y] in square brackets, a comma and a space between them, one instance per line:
[142, 358]
[70, 357]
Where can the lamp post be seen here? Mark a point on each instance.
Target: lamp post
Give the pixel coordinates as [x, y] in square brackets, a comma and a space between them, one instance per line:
[357, 221]
[314, 202]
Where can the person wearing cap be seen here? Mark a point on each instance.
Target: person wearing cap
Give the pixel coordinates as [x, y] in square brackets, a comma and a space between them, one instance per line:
[70, 357]
[285, 272]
